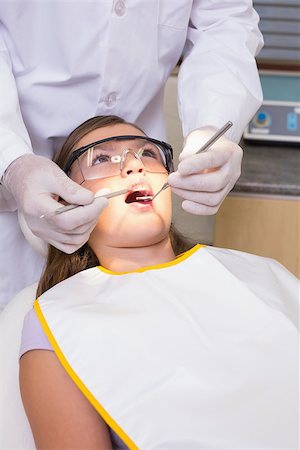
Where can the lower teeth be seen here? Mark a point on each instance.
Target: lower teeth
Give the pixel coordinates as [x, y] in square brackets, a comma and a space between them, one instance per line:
[144, 199]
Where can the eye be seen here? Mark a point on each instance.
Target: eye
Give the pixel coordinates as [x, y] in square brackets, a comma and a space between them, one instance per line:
[150, 152]
[100, 158]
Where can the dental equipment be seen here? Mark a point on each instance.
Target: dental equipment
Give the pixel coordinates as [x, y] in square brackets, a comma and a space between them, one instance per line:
[69, 207]
[204, 148]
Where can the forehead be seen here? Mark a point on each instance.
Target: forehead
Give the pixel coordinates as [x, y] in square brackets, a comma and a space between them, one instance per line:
[107, 132]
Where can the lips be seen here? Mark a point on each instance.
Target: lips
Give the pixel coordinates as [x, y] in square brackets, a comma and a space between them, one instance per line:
[134, 195]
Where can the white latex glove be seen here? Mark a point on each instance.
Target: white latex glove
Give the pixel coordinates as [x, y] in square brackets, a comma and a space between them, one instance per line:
[7, 200]
[34, 181]
[204, 180]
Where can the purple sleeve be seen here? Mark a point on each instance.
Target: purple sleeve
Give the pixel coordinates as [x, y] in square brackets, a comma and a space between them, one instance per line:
[33, 336]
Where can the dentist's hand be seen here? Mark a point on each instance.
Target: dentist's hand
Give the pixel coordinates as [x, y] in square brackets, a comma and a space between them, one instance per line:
[204, 180]
[34, 182]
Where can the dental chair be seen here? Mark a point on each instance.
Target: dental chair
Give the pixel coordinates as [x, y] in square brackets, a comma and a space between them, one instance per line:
[15, 431]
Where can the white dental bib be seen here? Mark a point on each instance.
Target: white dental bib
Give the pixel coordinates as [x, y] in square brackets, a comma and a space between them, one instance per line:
[198, 353]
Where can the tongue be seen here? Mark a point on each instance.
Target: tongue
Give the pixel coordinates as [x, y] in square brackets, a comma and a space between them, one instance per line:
[132, 197]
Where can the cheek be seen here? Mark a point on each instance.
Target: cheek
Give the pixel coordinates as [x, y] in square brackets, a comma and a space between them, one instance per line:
[109, 228]
[94, 185]
[164, 204]
[101, 230]
[76, 174]
[111, 216]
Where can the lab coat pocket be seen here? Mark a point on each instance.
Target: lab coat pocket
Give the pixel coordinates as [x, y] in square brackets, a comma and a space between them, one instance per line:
[173, 20]
[9, 52]
[174, 14]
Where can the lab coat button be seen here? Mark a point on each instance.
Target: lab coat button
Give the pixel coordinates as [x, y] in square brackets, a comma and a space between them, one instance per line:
[111, 99]
[120, 8]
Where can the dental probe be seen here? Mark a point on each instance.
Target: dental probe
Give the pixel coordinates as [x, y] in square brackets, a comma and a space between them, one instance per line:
[215, 137]
[69, 207]
[204, 148]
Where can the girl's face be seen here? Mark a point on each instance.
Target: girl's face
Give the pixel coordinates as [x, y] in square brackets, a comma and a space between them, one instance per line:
[122, 224]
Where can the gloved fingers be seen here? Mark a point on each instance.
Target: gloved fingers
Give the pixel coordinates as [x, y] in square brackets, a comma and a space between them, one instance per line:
[62, 235]
[71, 192]
[198, 209]
[209, 199]
[31, 176]
[71, 227]
[203, 193]
[195, 140]
[7, 200]
[71, 241]
[215, 157]
[45, 204]
[204, 179]
[35, 182]
[206, 182]
[60, 239]
[65, 248]
[82, 229]
[69, 221]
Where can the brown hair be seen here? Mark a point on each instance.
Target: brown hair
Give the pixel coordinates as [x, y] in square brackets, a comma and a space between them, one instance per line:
[60, 265]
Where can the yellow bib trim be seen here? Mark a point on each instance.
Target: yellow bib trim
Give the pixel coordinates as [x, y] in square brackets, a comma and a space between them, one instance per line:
[175, 261]
[99, 408]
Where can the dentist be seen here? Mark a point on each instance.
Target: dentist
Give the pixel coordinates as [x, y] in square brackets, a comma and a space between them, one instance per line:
[63, 62]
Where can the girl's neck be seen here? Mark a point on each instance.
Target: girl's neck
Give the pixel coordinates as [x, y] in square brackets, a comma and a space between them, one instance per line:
[130, 259]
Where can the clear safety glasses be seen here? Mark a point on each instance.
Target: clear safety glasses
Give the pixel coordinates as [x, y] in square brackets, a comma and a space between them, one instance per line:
[106, 158]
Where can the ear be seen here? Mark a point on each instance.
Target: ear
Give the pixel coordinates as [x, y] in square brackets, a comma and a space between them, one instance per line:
[36, 243]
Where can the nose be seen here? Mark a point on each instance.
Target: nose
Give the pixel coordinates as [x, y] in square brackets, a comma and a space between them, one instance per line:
[132, 164]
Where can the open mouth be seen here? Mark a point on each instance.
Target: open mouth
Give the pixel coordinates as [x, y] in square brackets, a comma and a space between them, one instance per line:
[140, 196]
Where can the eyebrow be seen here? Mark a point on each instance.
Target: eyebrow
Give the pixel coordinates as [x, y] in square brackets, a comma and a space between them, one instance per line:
[133, 143]
[107, 145]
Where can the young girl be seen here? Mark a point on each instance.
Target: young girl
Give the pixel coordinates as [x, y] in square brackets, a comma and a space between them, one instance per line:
[133, 343]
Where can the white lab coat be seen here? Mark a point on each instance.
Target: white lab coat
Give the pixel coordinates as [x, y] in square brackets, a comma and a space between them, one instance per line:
[63, 62]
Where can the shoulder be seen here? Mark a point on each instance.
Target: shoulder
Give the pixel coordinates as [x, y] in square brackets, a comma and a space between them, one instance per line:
[85, 277]
[74, 290]
[265, 277]
[239, 261]
[53, 401]
[33, 336]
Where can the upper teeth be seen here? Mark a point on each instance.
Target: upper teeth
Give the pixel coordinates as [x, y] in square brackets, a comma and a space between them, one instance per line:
[140, 188]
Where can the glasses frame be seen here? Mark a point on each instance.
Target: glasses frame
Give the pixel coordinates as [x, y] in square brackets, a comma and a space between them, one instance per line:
[167, 149]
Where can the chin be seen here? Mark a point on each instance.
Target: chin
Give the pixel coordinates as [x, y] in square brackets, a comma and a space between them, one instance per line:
[145, 242]
[130, 239]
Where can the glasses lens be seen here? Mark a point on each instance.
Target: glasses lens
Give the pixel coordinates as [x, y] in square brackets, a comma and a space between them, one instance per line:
[152, 156]
[99, 161]
[105, 159]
